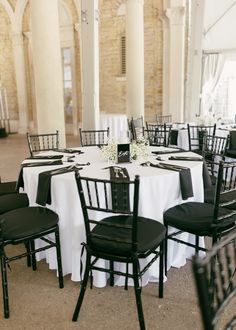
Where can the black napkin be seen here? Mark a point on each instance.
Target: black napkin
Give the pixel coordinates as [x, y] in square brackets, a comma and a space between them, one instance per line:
[185, 158]
[207, 182]
[20, 181]
[174, 137]
[119, 188]
[232, 140]
[205, 173]
[44, 184]
[186, 186]
[163, 152]
[201, 135]
[69, 151]
[46, 157]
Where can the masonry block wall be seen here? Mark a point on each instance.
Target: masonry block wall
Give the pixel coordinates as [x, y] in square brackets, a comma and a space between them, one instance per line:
[112, 23]
[7, 75]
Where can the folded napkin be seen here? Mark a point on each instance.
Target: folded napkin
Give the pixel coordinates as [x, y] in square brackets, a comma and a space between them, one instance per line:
[205, 173]
[201, 135]
[162, 152]
[69, 151]
[197, 159]
[207, 182]
[44, 184]
[119, 189]
[46, 157]
[186, 186]
[174, 137]
[20, 181]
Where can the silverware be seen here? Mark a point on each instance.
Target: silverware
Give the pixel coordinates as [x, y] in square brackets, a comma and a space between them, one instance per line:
[86, 164]
[116, 170]
[122, 173]
[146, 164]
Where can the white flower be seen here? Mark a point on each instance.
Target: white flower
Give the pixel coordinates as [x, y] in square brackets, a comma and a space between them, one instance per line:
[139, 148]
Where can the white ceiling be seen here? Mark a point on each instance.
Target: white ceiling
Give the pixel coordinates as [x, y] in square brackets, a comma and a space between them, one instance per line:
[219, 24]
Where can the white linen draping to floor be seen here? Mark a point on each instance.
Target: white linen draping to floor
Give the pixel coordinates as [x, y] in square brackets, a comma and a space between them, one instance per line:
[117, 123]
[159, 190]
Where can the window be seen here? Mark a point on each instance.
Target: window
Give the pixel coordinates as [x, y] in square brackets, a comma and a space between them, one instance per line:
[67, 84]
[224, 103]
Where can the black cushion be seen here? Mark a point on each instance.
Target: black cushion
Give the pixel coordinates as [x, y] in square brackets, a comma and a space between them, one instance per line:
[149, 235]
[209, 194]
[196, 218]
[174, 137]
[230, 153]
[27, 222]
[7, 187]
[13, 201]
[232, 140]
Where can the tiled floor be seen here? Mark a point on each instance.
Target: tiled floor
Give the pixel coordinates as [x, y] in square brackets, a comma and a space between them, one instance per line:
[37, 303]
[14, 148]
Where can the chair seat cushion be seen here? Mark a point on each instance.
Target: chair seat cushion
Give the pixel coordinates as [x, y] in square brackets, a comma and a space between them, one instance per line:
[150, 234]
[197, 218]
[28, 221]
[7, 187]
[230, 153]
[13, 201]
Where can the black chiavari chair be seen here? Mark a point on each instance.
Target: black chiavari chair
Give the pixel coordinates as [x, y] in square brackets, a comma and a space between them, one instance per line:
[215, 278]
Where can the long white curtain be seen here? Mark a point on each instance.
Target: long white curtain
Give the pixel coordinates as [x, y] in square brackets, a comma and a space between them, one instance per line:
[212, 69]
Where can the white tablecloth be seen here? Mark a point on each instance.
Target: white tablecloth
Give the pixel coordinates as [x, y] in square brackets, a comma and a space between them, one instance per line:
[183, 142]
[117, 123]
[159, 190]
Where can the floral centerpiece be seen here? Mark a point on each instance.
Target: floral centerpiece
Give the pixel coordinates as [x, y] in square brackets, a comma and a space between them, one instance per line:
[138, 149]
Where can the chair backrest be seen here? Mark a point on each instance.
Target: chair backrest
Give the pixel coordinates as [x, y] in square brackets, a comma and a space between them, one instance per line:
[158, 135]
[225, 195]
[100, 196]
[40, 142]
[94, 137]
[196, 135]
[215, 145]
[213, 151]
[136, 127]
[215, 278]
[164, 119]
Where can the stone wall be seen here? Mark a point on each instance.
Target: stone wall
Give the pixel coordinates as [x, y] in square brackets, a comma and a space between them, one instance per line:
[112, 82]
[7, 63]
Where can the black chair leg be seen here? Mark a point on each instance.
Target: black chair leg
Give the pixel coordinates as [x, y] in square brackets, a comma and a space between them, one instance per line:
[161, 266]
[59, 263]
[4, 285]
[82, 289]
[166, 250]
[27, 246]
[33, 257]
[137, 290]
[126, 277]
[111, 274]
[196, 245]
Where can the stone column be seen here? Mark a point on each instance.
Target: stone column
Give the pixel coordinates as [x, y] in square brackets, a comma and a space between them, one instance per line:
[33, 124]
[193, 85]
[174, 69]
[46, 54]
[135, 58]
[89, 64]
[19, 59]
